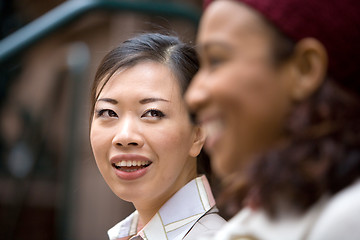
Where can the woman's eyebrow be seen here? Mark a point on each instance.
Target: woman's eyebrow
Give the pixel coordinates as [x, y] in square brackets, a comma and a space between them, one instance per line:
[213, 44]
[149, 100]
[109, 100]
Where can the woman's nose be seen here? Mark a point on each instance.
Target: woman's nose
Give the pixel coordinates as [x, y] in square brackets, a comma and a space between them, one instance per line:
[128, 134]
[197, 93]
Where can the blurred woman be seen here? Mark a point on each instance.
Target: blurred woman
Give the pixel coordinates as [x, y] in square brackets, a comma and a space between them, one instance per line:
[278, 92]
[144, 142]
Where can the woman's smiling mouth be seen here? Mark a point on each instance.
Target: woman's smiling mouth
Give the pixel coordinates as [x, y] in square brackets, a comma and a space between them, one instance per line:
[214, 127]
[130, 166]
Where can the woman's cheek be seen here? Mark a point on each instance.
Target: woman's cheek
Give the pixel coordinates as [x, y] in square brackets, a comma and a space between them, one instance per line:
[100, 142]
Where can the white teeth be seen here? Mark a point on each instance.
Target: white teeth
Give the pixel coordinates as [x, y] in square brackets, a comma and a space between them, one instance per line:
[130, 163]
[129, 170]
[213, 128]
[122, 164]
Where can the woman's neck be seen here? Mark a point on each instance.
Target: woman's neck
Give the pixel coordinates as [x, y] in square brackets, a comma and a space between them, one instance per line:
[146, 214]
[147, 208]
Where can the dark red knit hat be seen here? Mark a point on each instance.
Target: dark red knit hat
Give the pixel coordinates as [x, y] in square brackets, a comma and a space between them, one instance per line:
[335, 23]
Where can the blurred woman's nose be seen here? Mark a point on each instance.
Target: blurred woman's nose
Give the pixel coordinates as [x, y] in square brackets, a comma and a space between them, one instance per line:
[127, 134]
[197, 93]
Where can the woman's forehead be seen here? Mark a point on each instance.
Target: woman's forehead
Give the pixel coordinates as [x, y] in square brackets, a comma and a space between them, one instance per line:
[139, 79]
[225, 21]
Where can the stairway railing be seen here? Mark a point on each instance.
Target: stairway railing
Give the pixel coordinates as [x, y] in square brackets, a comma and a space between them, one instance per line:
[71, 10]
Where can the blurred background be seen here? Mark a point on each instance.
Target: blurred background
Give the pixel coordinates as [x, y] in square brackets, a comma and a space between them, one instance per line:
[50, 187]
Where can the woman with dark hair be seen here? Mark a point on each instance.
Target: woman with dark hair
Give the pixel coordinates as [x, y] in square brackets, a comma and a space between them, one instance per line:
[278, 92]
[144, 142]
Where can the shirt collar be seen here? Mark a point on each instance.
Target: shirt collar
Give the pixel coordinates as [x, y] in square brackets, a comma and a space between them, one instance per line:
[175, 218]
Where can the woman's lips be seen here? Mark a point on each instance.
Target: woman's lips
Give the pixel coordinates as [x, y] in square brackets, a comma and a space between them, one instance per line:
[214, 127]
[214, 131]
[130, 166]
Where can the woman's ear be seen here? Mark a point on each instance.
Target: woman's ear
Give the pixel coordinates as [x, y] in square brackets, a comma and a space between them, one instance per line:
[198, 142]
[309, 63]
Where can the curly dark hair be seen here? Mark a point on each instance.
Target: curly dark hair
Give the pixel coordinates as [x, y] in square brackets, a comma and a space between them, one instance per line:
[320, 155]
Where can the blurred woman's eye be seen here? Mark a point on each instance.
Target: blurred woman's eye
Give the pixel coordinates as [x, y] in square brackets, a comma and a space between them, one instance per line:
[106, 113]
[213, 56]
[211, 61]
[153, 113]
[214, 61]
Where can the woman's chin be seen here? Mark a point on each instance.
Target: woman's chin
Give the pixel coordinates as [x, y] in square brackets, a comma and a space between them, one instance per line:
[220, 165]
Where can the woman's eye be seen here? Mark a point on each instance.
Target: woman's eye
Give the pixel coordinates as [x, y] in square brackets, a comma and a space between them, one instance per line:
[214, 61]
[106, 113]
[153, 113]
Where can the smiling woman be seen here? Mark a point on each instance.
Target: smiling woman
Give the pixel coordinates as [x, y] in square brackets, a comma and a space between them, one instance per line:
[279, 94]
[144, 142]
